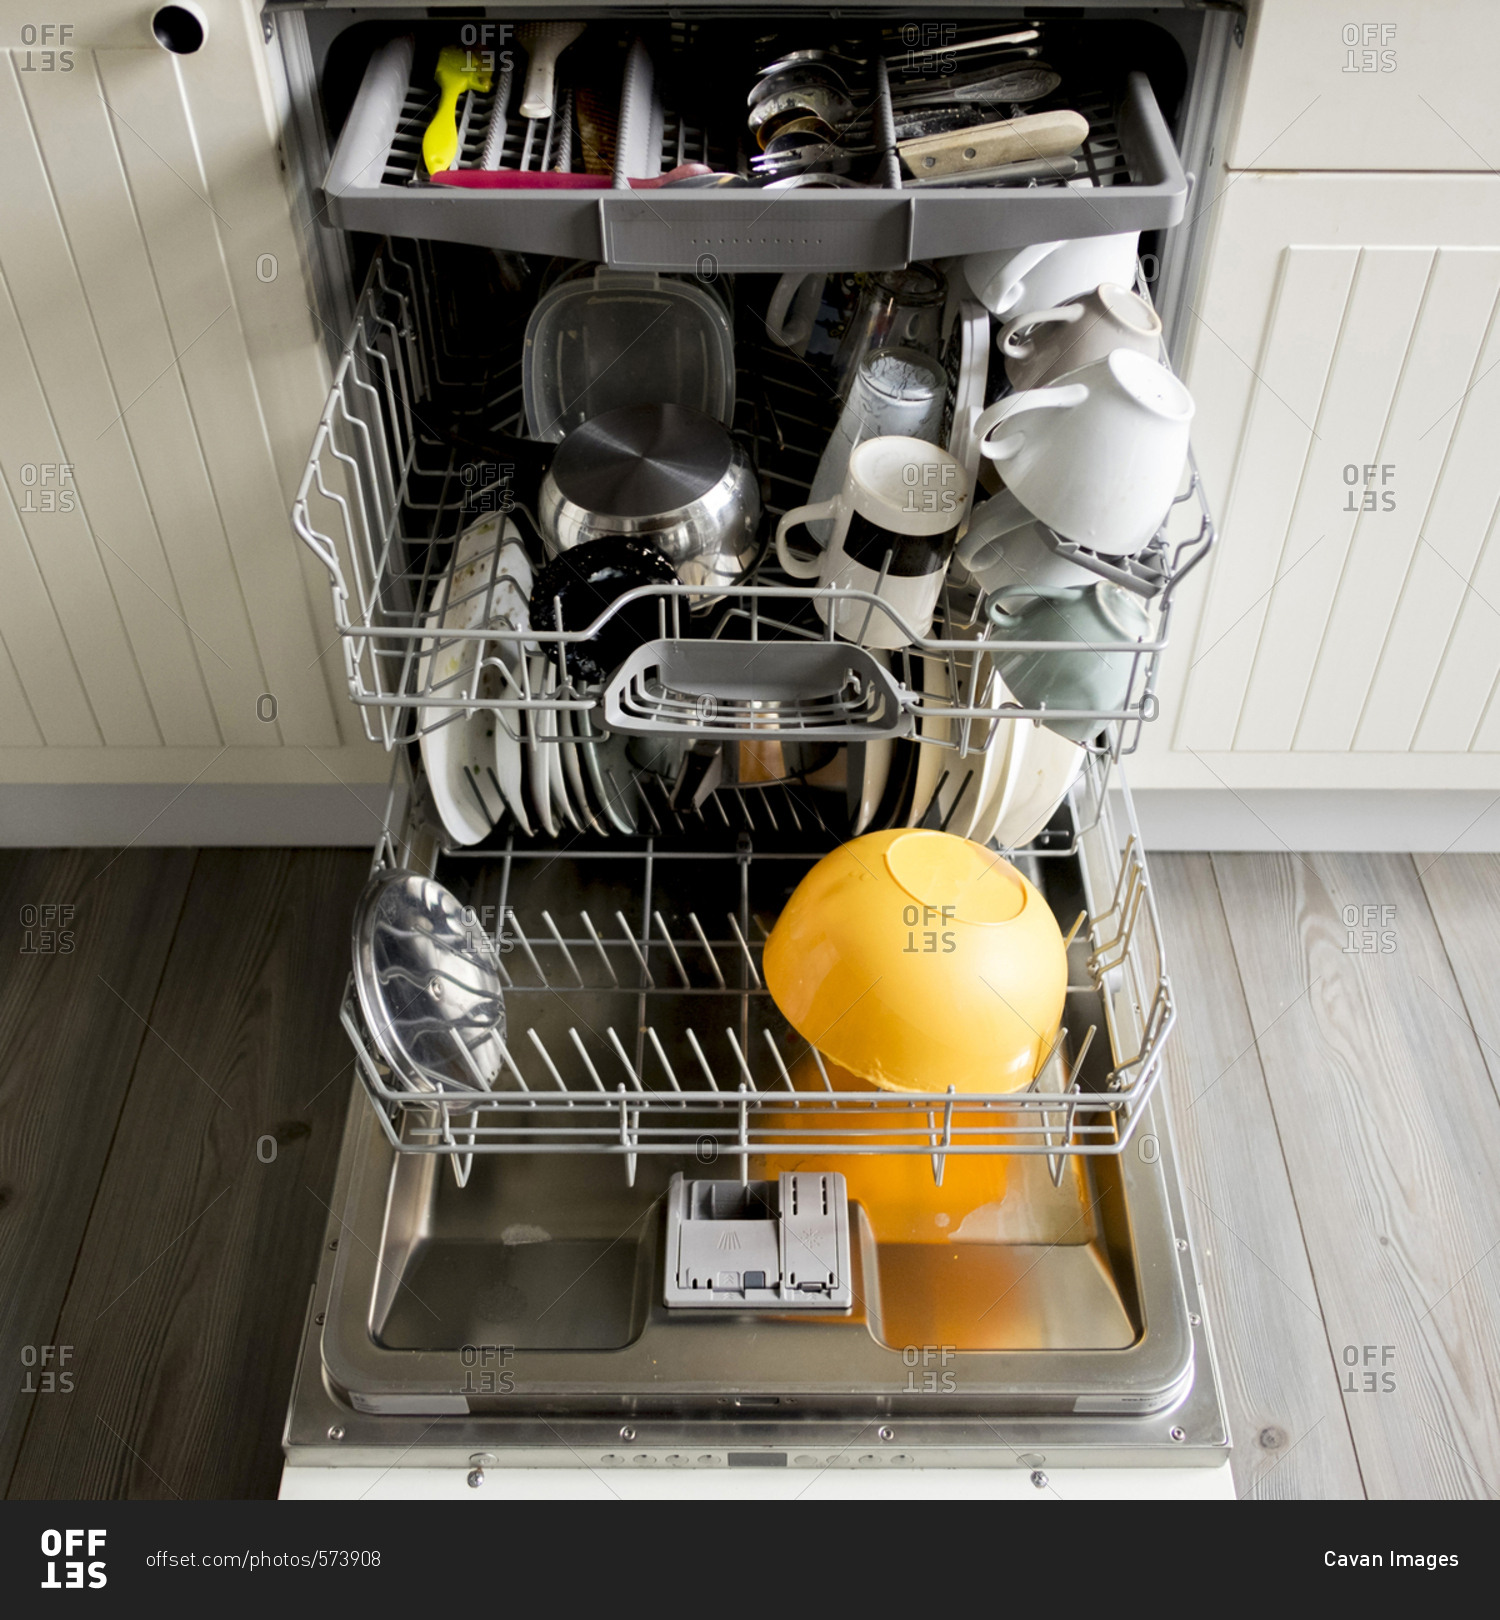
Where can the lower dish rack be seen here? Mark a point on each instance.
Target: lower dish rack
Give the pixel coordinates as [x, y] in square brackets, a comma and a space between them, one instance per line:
[630, 1034]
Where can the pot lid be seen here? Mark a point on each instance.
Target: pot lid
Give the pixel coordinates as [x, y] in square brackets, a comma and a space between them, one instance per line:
[642, 461]
[429, 984]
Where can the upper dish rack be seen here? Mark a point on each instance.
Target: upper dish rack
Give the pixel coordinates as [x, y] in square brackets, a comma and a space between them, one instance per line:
[630, 1034]
[389, 484]
[1132, 180]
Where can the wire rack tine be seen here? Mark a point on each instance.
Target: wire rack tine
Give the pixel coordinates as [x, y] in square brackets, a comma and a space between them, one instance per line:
[634, 944]
[583, 1052]
[672, 950]
[614, 1041]
[708, 1073]
[744, 950]
[664, 1060]
[588, 922]
[780, 1066]
[708, 949]
[546, 1057]
[562, 946]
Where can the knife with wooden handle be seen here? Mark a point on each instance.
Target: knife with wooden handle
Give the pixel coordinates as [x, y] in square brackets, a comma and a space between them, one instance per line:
[986, 146]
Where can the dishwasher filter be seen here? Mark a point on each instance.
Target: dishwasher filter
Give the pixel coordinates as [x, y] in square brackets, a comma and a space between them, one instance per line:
[751, 1245]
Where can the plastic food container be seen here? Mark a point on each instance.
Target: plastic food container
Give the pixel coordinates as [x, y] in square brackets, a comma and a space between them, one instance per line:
[625, 337]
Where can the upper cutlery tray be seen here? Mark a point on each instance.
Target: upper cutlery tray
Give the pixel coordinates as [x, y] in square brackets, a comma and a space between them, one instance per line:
[1129, 177]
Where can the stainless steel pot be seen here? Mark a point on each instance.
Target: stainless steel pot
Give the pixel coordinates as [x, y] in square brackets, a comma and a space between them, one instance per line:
[661, 473]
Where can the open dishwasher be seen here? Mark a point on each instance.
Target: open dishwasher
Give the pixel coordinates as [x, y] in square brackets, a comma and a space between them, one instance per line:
[584, 1261]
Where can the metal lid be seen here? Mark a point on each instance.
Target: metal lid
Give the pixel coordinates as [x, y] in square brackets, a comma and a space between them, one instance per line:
[642, 461]
[429, 984]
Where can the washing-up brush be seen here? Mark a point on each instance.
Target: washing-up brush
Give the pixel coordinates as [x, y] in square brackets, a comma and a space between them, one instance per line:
[543, 43]
[457, 71]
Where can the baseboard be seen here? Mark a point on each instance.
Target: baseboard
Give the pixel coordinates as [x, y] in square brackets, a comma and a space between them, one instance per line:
[325, 814]
[331, 815]
[1373, 819]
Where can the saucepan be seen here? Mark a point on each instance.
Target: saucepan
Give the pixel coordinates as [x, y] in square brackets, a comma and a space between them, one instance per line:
[660, 473]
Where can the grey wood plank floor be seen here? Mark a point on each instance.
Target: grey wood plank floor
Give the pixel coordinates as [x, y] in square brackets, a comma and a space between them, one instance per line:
[1281, 1385]
[182, 1297]
[1335, 1096]
[1381, 1184]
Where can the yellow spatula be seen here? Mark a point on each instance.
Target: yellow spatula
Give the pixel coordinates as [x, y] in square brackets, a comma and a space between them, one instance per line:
[457, 71]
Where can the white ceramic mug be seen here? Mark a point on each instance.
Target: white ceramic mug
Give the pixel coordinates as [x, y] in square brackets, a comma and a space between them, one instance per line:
[1099, 454]
[898, 512]
[1011, 555]
[793, 310]
[1041, 345]
[1009, 281]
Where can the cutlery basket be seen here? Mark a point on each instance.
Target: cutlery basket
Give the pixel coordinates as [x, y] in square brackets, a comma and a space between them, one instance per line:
[1130, 179]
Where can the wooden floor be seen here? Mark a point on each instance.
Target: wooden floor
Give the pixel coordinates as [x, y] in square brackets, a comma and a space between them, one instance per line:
[171, 1102]
[175, 1080]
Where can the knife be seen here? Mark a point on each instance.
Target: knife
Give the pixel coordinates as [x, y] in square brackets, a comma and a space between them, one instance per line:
[1014, 140]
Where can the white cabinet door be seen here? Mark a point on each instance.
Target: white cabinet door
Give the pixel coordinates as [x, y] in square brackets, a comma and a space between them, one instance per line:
[1406, 84]
[1344, 352]
[163, 378]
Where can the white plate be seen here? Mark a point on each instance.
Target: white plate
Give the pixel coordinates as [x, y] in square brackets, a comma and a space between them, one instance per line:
[976, 773]
[933, 760]
[614, 778]
[571, 751]
[1046, 773]
[1010, 745]
[459, 752]
[510, 755]
[562, 800]
[540, 723]
[878, 757]
[877, 769]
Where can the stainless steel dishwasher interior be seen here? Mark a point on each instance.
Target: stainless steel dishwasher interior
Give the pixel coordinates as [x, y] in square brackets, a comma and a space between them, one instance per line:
[554, 1260]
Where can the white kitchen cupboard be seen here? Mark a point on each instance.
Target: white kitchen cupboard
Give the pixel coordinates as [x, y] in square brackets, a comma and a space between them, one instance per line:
[1341, 340]
[1344, 636]
[163, 366]
[1406, 84]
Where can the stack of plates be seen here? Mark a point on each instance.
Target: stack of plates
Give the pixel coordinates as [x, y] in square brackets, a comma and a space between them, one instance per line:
[551, 768]
[1003, 790]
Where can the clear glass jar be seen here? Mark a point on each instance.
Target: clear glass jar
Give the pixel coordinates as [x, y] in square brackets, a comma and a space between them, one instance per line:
[895, 390]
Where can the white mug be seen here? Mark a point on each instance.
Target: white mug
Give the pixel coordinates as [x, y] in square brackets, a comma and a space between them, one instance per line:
[1099, 454]
[793, 310]
[1013, 280]
[1011, 555]
[898, 512]
[1041, 345]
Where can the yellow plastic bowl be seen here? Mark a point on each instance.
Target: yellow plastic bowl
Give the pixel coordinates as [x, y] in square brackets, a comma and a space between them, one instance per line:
[919, 961]
[901, 1200]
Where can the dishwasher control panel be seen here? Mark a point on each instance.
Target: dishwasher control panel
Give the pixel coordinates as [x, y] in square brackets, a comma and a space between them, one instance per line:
[754, 1245]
